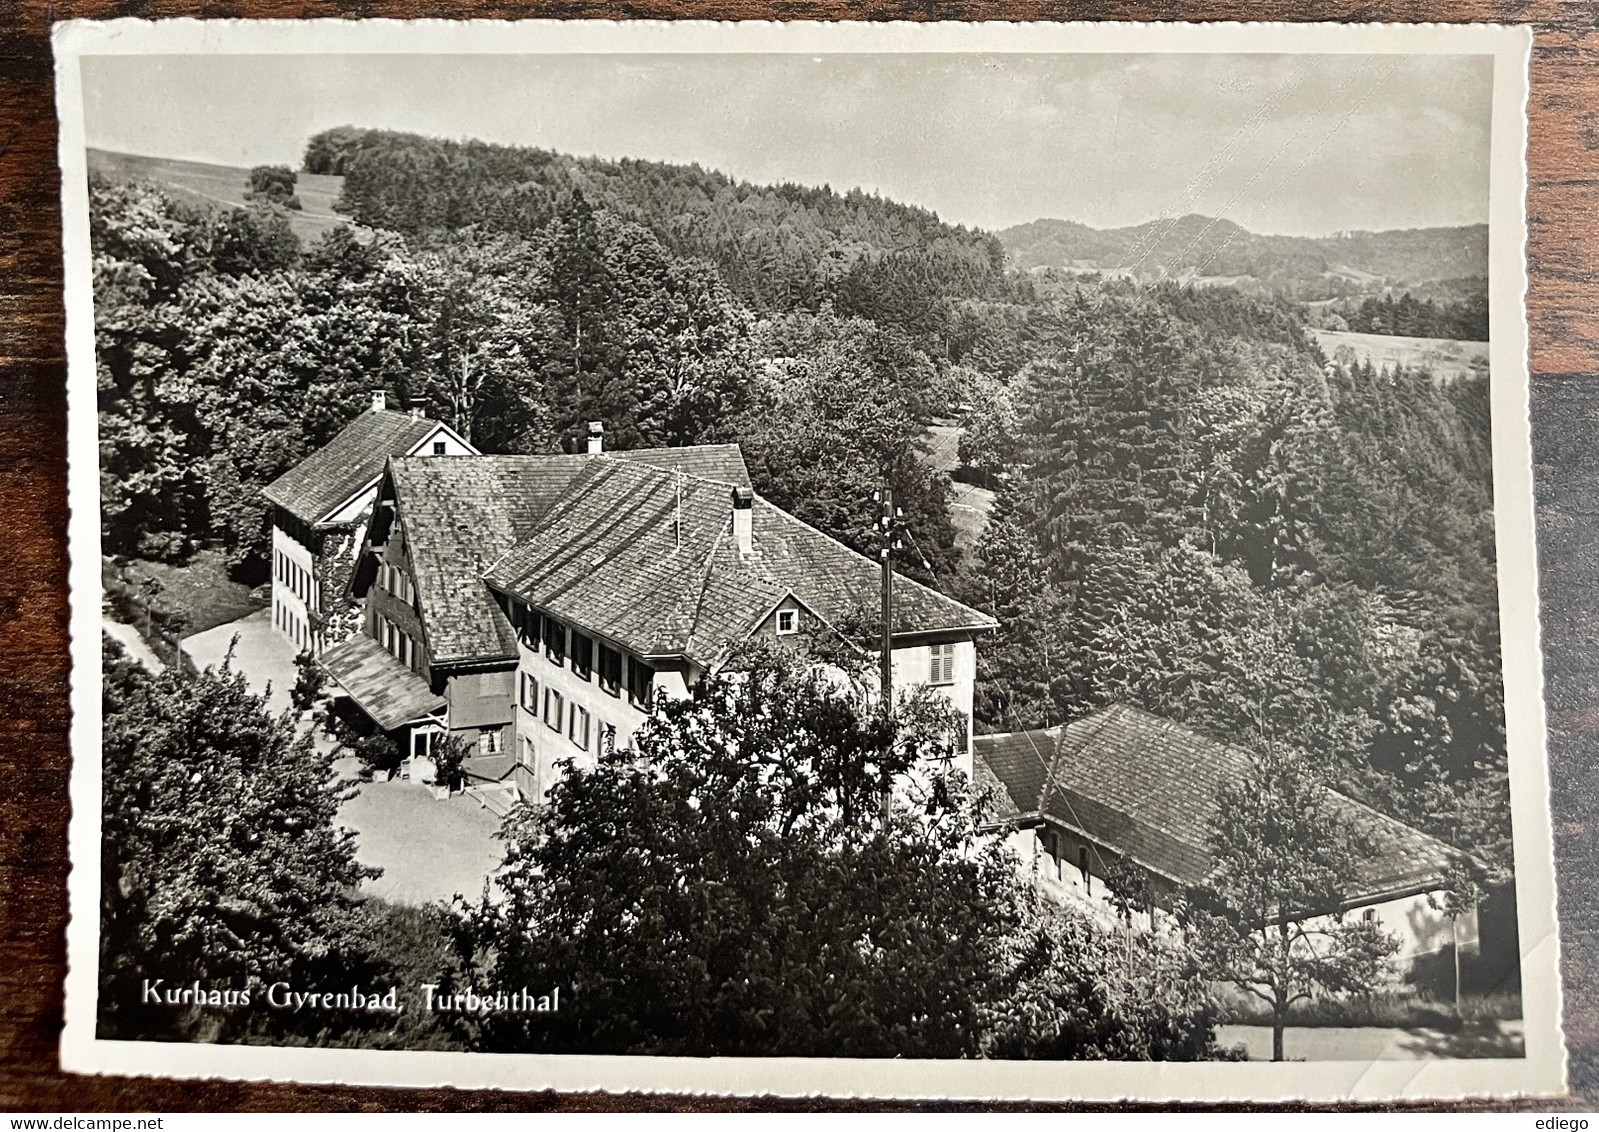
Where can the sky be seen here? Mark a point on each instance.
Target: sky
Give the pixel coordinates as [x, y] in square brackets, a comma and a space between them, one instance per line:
[1287, 144]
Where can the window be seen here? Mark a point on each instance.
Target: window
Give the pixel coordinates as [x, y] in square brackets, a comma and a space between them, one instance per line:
[607, 738]
[582, 655]
[554, 640]
[640, 683]
[529, 697]
[610, 671]
[554, 705]
[491, 740]
[528, 757]
[787, 621]
[1082, 867]
[438, 448]
[578, 730]
[1369, 915]
[528, 624]
[397, 582]
[942, 668]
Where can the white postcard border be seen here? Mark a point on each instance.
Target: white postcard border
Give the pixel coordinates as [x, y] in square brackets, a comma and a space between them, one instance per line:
[1541, 1072]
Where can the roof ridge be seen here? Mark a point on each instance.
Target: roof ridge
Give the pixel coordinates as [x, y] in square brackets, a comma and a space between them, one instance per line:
[619, 459]
[874, 565]
[708, 567]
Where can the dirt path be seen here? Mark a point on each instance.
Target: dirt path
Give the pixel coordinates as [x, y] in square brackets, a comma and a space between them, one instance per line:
[128, 637]
[1377, 1043]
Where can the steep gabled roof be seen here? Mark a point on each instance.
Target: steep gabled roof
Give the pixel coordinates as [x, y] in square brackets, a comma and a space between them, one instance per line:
[612, 557]
[459, 514]
[346, 464]
[1147, 787]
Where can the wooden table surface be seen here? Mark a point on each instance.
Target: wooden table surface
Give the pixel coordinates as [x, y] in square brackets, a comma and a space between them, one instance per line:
[1563, 260]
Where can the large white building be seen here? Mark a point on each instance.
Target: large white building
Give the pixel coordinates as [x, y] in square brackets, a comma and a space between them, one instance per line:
[320, 508]
[534, 606]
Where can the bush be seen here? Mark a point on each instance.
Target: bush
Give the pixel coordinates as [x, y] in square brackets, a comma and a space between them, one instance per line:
[379, 752]
[273, 184]
[449, 755]
[308, 683]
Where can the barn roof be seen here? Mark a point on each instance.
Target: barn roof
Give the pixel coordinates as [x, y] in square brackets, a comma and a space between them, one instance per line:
[1147, 787]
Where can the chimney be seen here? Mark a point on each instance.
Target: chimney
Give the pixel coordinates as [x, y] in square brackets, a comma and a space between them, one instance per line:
[743, 520]
[417, 407]
[379, 401]
[596, 437]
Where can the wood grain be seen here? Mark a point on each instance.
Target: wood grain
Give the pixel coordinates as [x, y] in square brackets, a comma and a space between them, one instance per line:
[1563, 257]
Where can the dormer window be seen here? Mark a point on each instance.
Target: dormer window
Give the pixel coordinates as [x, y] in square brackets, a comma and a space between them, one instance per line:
[640, 683]
[529, 625]
[787, 621]
[438, 448]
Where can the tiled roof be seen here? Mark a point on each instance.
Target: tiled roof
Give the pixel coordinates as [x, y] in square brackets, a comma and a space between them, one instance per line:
[1147, 787]
[387, 690]
[610, 558]
[346, 464]
[460, 514]
[721, 462]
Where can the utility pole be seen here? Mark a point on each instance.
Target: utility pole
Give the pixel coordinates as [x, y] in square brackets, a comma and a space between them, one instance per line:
[888, 529]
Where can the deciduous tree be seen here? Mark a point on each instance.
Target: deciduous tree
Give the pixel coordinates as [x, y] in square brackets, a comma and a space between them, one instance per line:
[1270, 918]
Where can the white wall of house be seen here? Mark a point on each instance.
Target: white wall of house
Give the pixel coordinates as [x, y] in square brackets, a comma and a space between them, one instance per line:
[294, 589]
[1422, 929]
[542, 739]
[955, 679]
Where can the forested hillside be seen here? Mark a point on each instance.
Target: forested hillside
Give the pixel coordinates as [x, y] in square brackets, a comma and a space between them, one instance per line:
[1200, 516]
[776, 247]
[1306, 268]
[1195, 511]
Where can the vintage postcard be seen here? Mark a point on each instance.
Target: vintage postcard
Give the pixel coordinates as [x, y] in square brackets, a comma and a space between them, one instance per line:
[965, 561]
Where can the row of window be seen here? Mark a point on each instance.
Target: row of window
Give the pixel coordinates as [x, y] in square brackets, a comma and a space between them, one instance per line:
[297, 631]
[397, 582]
[396, 640]
[528, 756]
[293, 575]
[574, 720]
[586, 657]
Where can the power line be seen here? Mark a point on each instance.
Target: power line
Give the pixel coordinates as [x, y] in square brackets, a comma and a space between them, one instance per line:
[1248, 185]
[1213, 168]
[1381, 79]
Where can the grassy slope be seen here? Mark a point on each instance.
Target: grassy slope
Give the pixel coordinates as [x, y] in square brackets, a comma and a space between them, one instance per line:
[1445, 358]
[224, 185]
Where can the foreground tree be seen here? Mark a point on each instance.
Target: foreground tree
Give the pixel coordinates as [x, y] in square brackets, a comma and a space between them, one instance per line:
[1076, 992]
[220, 860]
[1269, 920]
[732, 887]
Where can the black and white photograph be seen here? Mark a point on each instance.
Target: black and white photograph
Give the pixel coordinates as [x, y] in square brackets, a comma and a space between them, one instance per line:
[944, 561]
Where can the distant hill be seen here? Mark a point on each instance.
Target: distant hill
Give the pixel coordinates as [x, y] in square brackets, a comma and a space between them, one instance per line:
[225, 185]
[1208, 250]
